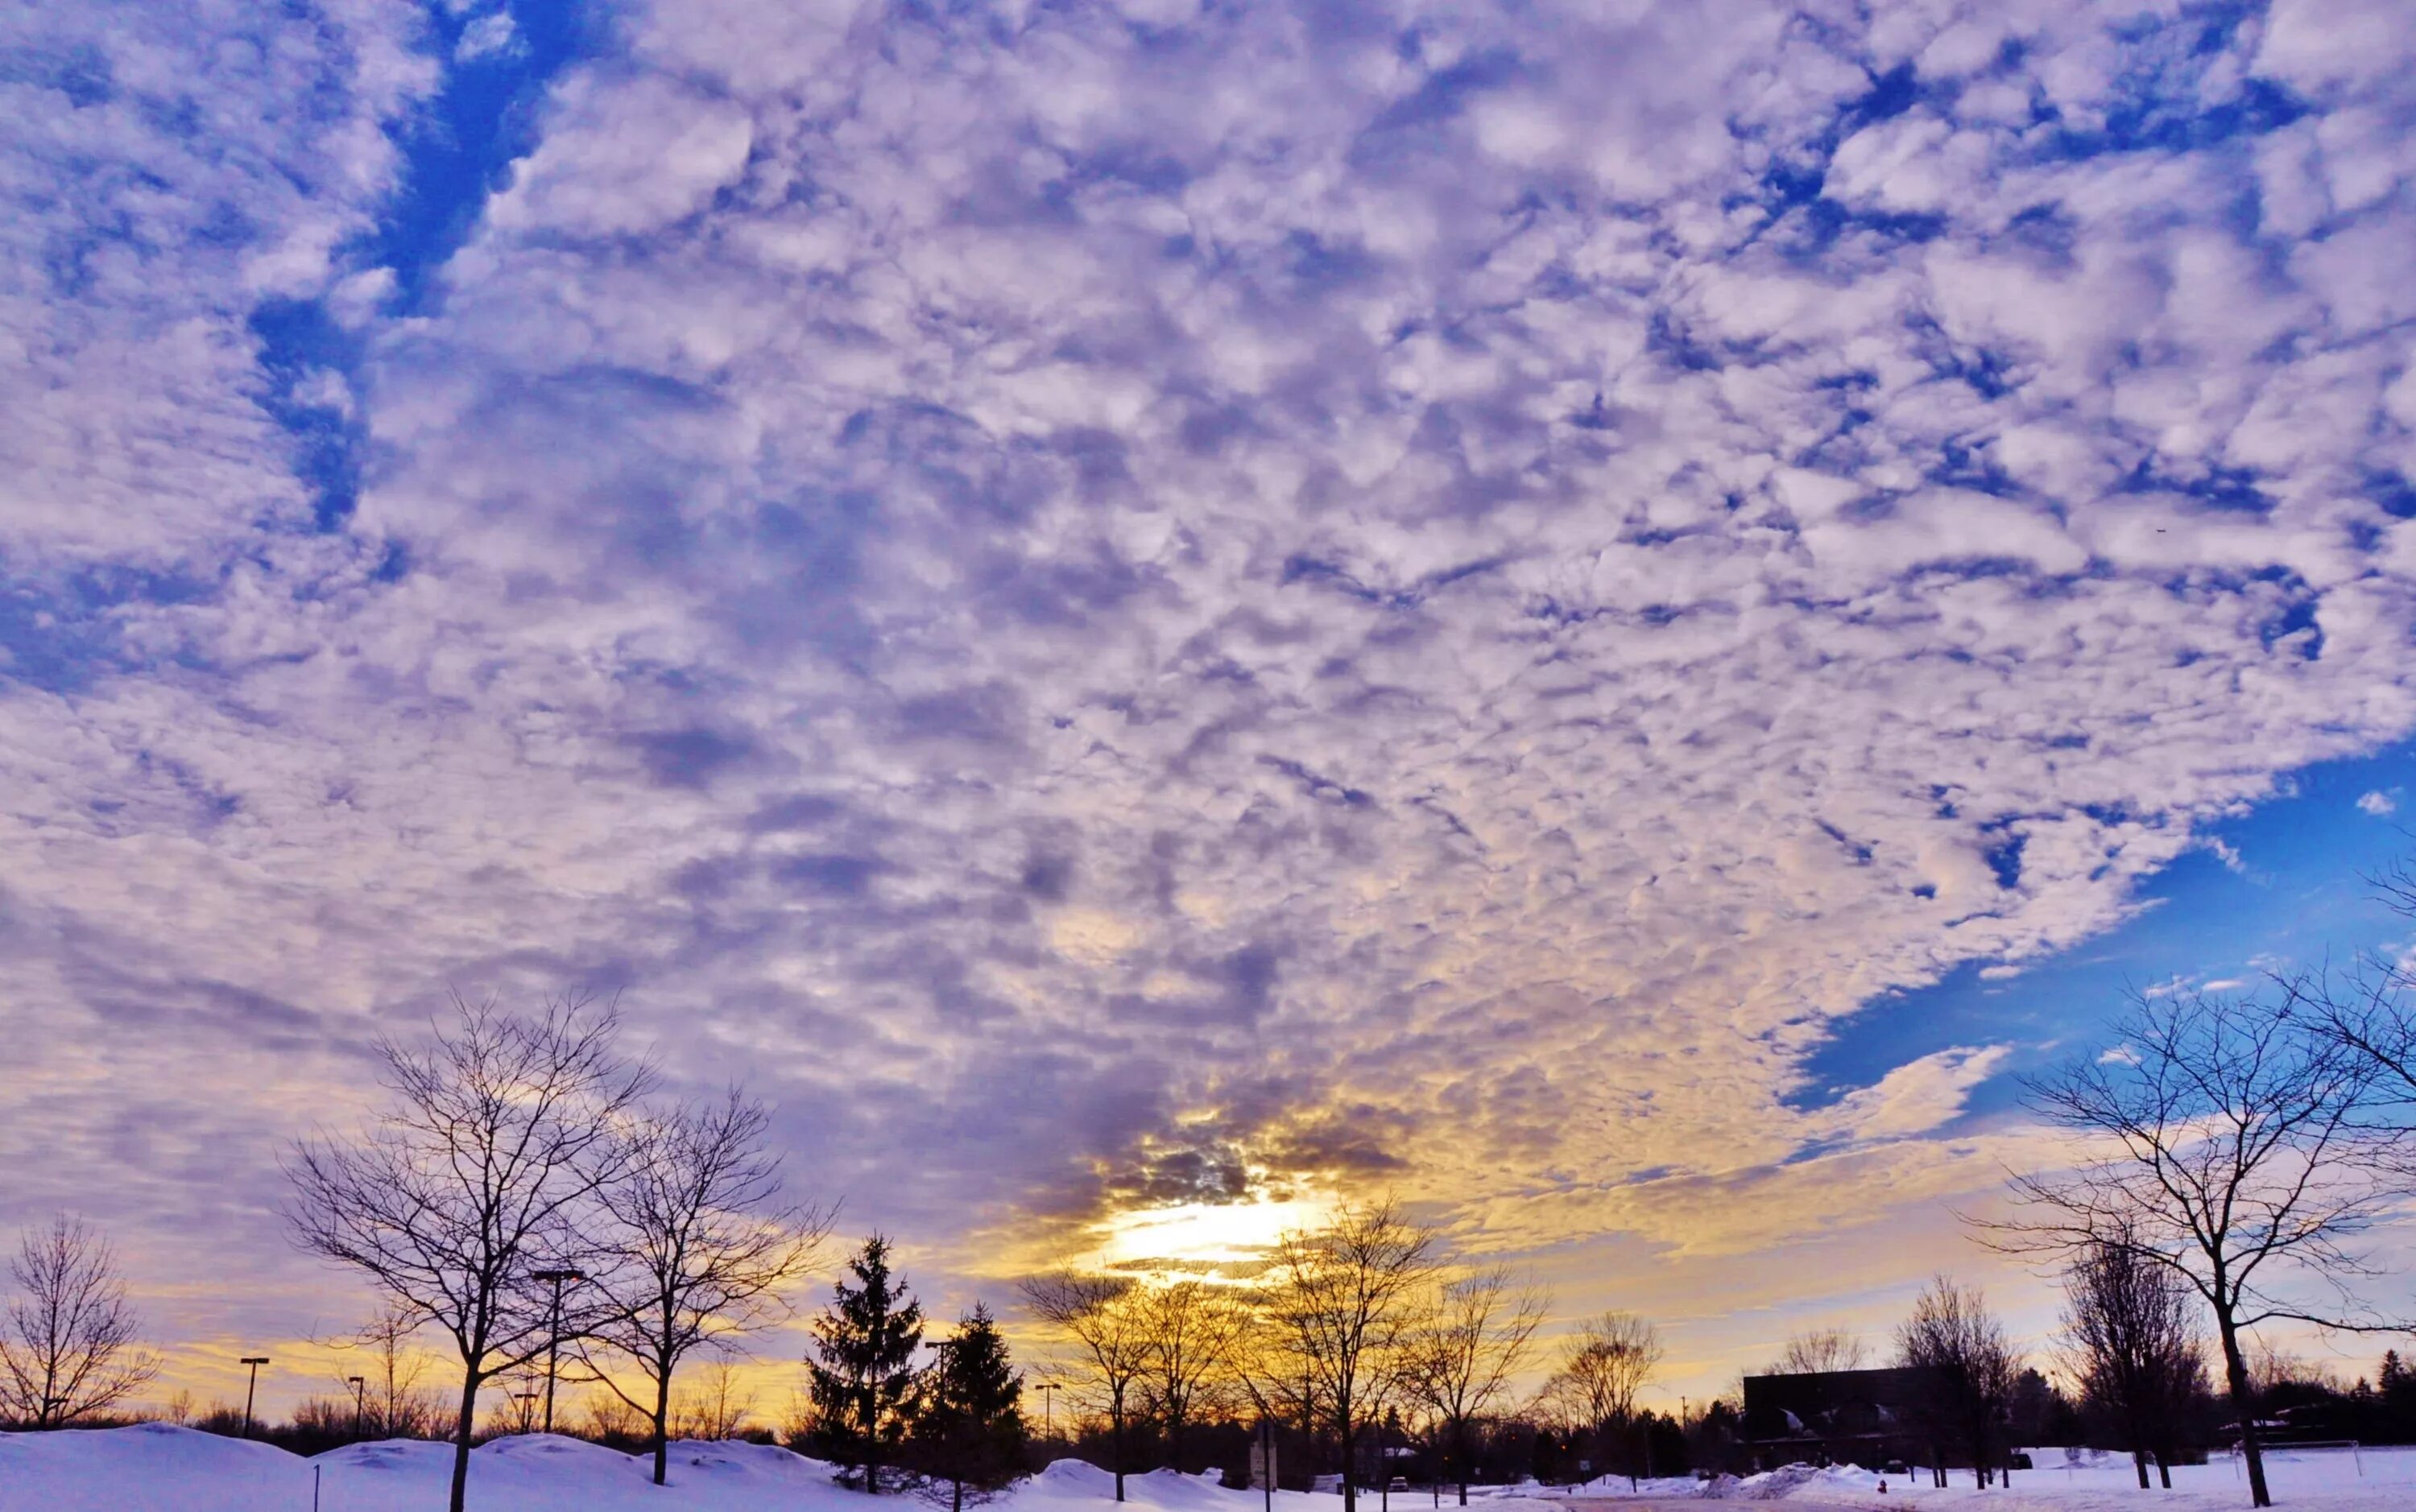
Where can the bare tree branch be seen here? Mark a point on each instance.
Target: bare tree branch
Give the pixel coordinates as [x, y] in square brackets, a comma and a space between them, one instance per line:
[69, 1350]
[1189, 1330]
[1101, 1322]
[695, 1251]
[1817, 1352]
[488, 1167]
[1344, 1297]
[1474, 1340]
[2130, 1346]
[1972, 1366]
[2230, 1141]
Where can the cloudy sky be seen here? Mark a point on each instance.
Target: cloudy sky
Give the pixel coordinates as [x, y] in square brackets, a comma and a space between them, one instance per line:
[1607, 616]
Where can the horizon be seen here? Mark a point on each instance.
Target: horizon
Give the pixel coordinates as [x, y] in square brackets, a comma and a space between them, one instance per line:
[1148, 618]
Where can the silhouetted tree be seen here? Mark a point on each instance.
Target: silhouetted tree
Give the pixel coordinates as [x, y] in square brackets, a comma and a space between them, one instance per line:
[391, 1404]
[1471, 1342]
[1971, 1365]
[1819, 1352]
[486, 1169]
[863, 1378]
[67, 1349]
[2396, 1382]
[1189, 1333]
[969, 1434]
[711, 1408]
[2231, 1143]
[1103, 1324]
[696, 1254]
[1603, 1368]
[1347, 1291]
[2133, 1351]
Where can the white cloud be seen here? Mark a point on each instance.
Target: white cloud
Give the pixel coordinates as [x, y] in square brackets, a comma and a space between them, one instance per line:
[579, 180]
[2378, 803]
[1919, 1095]
[487, 36]
[175, 169]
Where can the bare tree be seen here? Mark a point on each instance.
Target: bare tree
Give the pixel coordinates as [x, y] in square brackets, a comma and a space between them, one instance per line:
[1820, 1352]
[2230, 1146]
[1190, 1331]
[391, 1402]
[2131, 1348]
[1103, 1327]
[521, 1392]
[1953, 1336]
[612, 1420]
[1608, 1361]
[67, 1349]
[714, 1407]
[487, 1168]
[1459, 1363]
[1271, 1366]
[1603, 1367]
[697, 1251]
[2370, 1016]
[1347, 1292]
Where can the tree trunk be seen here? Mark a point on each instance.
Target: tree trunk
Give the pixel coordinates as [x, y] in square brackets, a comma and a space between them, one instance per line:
[1349, 1432]
[1459, 1452]
[2164, 1470]
[461, 1431]
[663, 1422]
[1116, 1444]
[2235, 1374]
[2140, 1459]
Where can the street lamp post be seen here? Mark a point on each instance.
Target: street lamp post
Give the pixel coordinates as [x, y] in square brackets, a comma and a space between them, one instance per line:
[553, 1335]
[1048, 1418]
[524, 1398]
[255, 1361]
[360, 1402]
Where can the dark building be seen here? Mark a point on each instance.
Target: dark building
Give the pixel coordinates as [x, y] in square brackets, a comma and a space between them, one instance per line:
[1838, 1417]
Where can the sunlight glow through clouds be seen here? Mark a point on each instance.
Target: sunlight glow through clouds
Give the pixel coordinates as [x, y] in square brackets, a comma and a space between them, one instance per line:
[1191, 1237]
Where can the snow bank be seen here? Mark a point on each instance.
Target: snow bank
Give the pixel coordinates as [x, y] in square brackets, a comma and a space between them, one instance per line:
[156, 1468]
[2328, 1480]
[116, 1470]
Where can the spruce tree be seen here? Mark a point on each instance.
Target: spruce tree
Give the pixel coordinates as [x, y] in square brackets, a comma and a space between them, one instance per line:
[970, 1435]
[863, 1378]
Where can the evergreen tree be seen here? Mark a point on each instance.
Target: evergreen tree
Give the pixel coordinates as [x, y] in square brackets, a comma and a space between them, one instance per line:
[863, 1378]
[971, 1432]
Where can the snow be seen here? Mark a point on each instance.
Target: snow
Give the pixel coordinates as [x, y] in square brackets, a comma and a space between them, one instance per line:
[158, 1468]
[2332, 1480]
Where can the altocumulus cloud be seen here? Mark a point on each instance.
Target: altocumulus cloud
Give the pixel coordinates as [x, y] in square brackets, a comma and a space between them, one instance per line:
[1116, 602]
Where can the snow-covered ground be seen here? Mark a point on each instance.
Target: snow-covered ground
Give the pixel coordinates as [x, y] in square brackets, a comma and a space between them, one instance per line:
[2332, 1480]
[156, 1468]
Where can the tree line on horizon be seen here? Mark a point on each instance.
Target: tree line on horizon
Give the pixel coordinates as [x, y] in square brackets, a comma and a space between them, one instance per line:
[535, 1202]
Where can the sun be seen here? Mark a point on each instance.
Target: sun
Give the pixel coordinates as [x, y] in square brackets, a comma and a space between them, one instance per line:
[1190, 1236]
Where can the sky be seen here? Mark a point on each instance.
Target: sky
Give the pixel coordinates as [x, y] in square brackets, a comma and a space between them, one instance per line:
[1608, 617]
